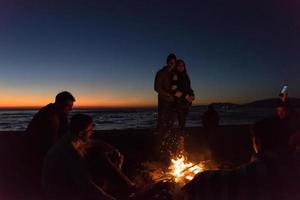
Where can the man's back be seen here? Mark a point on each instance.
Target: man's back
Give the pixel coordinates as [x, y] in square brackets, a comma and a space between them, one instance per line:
[46, 127]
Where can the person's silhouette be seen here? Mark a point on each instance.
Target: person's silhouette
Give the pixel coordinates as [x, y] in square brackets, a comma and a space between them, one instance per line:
[50, 123]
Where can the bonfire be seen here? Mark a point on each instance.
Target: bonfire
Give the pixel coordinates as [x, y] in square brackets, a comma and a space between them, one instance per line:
[182, 171]
[167, 182]
[160, 180]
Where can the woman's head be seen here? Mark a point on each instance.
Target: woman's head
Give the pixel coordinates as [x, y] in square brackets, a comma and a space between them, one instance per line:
[180, 66]
[81, 126]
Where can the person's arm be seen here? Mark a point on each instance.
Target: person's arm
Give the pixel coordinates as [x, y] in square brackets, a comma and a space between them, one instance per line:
[94, 191]
[107, 152]
[191, 91]
[285, 99]
[107, 149]
[103, 146]
[116, 174]
[190, 97]
[91, 190]
[158, 85]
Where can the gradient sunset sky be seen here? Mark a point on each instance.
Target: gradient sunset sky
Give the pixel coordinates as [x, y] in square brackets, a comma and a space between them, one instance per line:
[107, 52]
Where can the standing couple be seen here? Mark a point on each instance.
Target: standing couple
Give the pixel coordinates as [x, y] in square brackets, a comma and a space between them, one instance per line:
[175, 96]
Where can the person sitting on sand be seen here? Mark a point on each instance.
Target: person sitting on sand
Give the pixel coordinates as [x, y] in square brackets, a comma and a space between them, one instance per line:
[210, 122]
[67, 166]
[50, 123]
[289, 118]
[274, 174]
[210, 119]
[288, 115]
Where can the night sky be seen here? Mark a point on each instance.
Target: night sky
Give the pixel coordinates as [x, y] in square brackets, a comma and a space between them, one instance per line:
[107, 52]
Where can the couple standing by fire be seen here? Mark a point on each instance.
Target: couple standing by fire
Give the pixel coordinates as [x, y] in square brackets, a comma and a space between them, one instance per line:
[175, 96]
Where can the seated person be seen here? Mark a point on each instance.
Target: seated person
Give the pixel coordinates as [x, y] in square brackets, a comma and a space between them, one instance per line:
[274, 174]
[210, 118]
[66, 171]
[289, 118]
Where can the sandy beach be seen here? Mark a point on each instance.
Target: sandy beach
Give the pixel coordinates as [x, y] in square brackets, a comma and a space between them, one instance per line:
[232, 144]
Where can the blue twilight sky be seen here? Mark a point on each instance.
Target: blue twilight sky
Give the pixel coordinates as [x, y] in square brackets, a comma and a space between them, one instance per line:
[107, 52]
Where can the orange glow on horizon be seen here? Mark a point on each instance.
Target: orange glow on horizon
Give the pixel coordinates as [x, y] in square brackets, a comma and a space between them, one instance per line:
[93, 102]
[39, 99]
[110, 103]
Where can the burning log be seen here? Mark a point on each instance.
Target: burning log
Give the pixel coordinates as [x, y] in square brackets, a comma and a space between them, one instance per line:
[166, 184]
[181, 171]
[165, 179]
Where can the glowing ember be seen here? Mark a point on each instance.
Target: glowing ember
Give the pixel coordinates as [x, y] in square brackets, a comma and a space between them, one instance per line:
[183, 170]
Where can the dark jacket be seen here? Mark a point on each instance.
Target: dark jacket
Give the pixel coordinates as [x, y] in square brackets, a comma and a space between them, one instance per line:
[181, 83]
[162, 84]
[46, 127]
[66, 176]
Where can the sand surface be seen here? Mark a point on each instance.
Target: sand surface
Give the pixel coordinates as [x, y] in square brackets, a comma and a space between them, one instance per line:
[230, 144]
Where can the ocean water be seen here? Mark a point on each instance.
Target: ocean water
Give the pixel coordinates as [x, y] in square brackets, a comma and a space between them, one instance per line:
[108, 119]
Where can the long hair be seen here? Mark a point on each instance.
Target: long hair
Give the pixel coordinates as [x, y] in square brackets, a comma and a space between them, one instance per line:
[79, 122]
[182, 62]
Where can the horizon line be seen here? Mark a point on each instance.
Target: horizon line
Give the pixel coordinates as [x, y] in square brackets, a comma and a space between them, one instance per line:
[89, 107]
[127, 106]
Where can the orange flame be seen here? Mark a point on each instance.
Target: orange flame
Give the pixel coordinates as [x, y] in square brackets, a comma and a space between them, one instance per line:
[183, 170]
